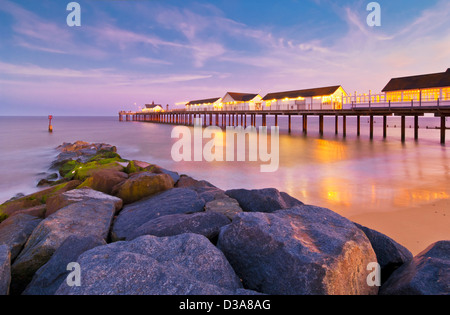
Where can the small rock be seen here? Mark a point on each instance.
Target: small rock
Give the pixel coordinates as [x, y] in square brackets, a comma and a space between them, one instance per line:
[207, 191]
[426, 274]
[105, 180]
[263, 200]
[227, 206]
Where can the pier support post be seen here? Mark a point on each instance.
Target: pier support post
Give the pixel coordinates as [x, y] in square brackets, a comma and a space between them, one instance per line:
[245, 120]
[344, 126]
[289, 123]
[403, 127]
[321, 125]
[276, 120]
[371, 127]
[264, 121]
[358, 125]
[384, 126]
[443, 129]
[336, 124]
[416, 128]
[305, 124]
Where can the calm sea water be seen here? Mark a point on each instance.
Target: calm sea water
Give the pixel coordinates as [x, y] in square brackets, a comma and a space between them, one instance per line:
[351, 175]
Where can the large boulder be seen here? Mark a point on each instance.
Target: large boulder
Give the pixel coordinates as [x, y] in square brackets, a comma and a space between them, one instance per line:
[105, 180]
[60, 201]
[92, 217]
[206, 224]
[299, 251]
[5, 269]
[186, 264]
[426, 274]
[263, 200]
[390, 254]
[141, 185]
[172, 201]
[226, 206]
[50, 276]
[38, 211]
[15, 231]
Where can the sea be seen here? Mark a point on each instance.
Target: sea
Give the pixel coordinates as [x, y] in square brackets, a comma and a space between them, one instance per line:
[353, 176]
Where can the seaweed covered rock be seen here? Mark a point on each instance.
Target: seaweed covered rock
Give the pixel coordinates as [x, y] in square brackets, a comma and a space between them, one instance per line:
[105, 180]
[300, 251]
[426, 274]
[142, 185]
[263, 200]
[186, 264]
[172, 201]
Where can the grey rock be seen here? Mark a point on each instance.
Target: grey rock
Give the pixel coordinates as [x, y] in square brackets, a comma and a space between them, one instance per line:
[426, 274]
[205, 190]
[227, 206]
[299, 251]
[5, 269]
[172, 201]
[15, 231]
[206, 224]
[390, 254]
[175, 176]
[92, 217]
[186, 264]
[50, 276]
[263, 200]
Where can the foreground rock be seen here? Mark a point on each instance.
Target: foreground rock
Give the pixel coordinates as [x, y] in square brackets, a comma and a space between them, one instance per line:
[299, 251]
[390, 254]
[50, 276]
[226, 206]
[427, 274]
[142, 185]
[15, 231]
[207, 191]
[186, 264]
[105, 180]
[92, 217]
[63, 200]
[5, 269]
[263, 200]
[173, 201]
[206, 224]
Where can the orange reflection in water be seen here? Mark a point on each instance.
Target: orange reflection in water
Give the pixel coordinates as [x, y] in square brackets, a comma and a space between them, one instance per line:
[330, 151]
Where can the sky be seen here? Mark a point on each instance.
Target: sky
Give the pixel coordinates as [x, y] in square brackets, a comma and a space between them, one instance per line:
[128, 53]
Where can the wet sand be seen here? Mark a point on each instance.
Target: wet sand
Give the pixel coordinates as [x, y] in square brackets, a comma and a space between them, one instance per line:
[415, 228]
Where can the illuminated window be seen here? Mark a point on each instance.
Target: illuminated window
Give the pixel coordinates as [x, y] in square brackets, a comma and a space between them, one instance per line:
[430, 94]
[268, 103]
[446, 94]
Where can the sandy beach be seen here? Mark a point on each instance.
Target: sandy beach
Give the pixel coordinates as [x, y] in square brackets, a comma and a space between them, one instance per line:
[415, 227]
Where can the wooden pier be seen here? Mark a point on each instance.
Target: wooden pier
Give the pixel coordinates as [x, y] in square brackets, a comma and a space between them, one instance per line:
[236, 118]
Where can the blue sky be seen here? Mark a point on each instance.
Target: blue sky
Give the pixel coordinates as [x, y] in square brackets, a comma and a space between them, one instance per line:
[128, 53]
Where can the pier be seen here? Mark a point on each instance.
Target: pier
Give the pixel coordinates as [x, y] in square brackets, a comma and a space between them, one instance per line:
[245, 118]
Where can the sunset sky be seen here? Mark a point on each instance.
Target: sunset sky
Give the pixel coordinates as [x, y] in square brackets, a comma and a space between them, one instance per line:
[128, 53]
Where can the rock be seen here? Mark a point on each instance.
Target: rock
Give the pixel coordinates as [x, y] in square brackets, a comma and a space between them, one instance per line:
[37, 199]
[205, 190]
[305, 250]
[186, 264]
[226, 206]
[38, 211]
[50, 276]
[390, 254]
[15, 231]
[426, 274]
[263, 200]
[92, 217]
[206, 224]
[105, 180]
[5, 270]
[173, 201]
[84, 194]
[142, 185]
[175, 176]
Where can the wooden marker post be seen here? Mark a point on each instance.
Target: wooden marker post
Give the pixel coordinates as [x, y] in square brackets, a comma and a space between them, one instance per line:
[50, 127]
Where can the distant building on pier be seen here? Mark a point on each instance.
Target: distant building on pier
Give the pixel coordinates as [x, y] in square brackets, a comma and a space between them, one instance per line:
[317, 98]
[427, 87]
[152, 108]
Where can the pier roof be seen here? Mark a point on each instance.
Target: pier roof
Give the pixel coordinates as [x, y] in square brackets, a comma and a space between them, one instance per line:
[242, 97]
[205, 101]
[323, 91]
[425, 81]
